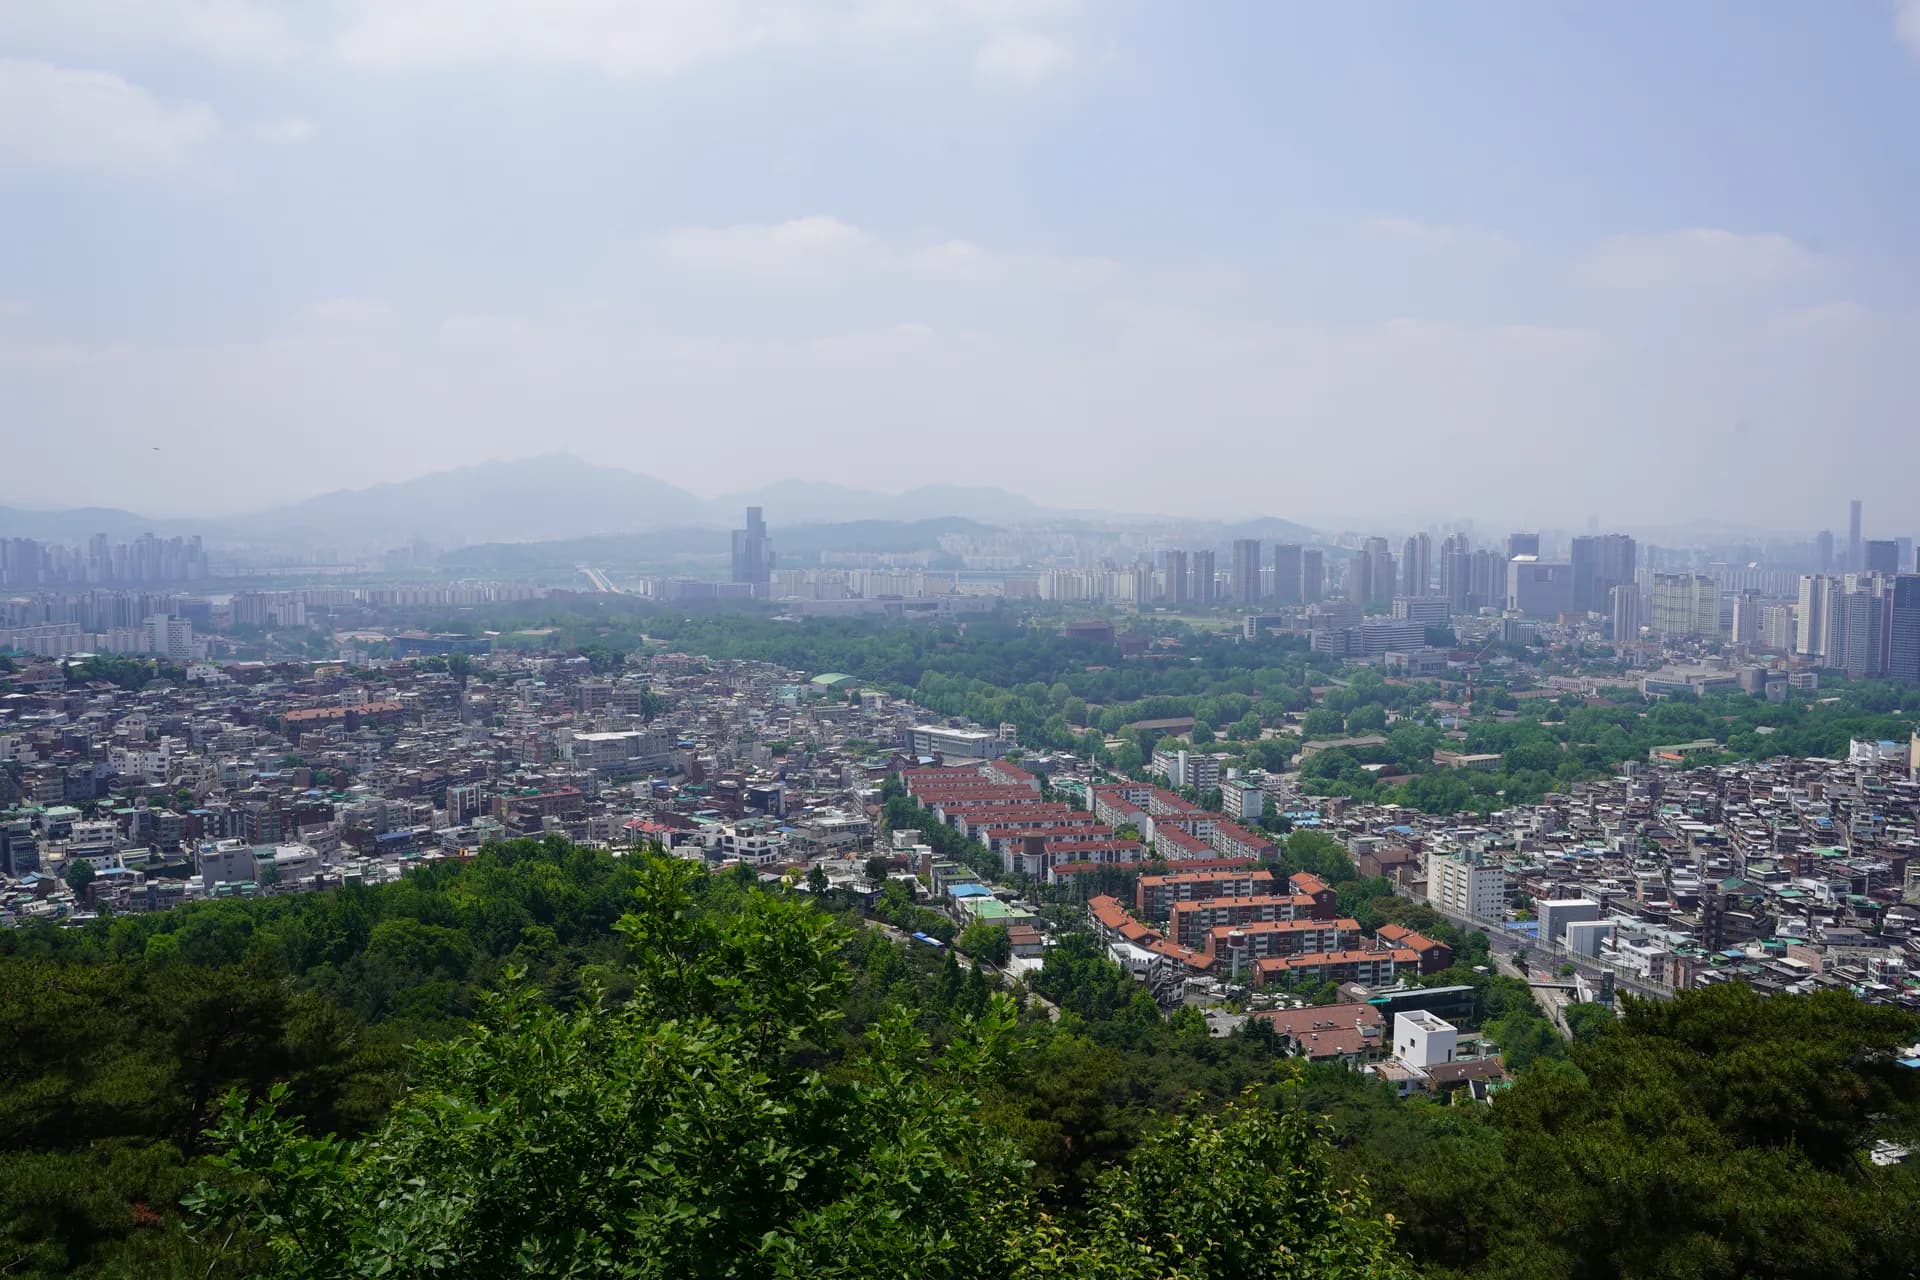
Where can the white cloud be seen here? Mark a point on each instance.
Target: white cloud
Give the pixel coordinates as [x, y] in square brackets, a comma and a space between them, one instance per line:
[1698, 257]
[1409, 230]
[289, 131]
[55, 118]
[229, 30]
[646, 37]
[1026, 57]
[1906, 24]
[818, 248]
[801, 249]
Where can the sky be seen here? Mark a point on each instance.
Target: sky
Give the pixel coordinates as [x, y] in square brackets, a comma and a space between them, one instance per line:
[1344, 263]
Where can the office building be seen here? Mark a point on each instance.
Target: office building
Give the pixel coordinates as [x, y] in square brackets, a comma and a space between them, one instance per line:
[1287, 557]
[1430, 611]
[1855, 559]
[753, 555]
[1599, 565]
[1823, 552]
[1883, 556]
[1244, 585]
[1523, 544]
[1313, 576]
[1685, 604]
[1539, 588]
[1555, 914]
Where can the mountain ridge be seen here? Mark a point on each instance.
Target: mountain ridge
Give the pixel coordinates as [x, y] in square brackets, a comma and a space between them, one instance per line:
[557, 497]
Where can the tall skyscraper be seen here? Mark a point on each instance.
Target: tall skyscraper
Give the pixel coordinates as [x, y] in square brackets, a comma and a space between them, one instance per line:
[1823, 552]
[1177, 581]
[1245, 582]
[753, 554]
[1204, 590]
[1883, 556]
[1313, 576]
[1855, 561]
[1286, 573]
[1359, 584]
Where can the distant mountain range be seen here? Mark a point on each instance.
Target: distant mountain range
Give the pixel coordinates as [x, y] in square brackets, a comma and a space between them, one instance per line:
[558, 497]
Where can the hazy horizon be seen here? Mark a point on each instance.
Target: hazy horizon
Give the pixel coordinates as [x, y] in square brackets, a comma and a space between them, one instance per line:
[1522, 264]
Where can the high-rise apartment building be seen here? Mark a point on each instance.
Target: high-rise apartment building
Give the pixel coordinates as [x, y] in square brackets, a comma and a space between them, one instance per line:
[1855, 560]
[1903, 647]
[1245, 582]
[1175, 573]
[1861, 610]
[1685, 604]
[1313, 576]
[753, 554]
[1416, 566]
[1903, 628]
[1286, 573]
[1810, 619]
[1381, 579]
[1625, 611]
[1465, 885]
[1205, 592]
[1747, 610]
[1776, 628]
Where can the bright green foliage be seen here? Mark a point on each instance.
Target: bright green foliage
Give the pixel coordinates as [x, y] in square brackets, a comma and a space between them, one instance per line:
[1717, 1136]
[988, 942]
[1245, 1193]
[694, 1132]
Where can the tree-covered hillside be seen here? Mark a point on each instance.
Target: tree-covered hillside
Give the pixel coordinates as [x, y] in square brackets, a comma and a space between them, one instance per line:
[548, 1061]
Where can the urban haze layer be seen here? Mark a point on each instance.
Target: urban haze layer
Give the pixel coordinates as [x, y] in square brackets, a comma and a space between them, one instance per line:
[1432, 841]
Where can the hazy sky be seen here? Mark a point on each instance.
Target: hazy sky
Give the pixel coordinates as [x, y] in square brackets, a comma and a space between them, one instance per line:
[1343, 262]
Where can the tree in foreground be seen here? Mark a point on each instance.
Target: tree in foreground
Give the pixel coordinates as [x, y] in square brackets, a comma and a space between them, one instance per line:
[720, 1125]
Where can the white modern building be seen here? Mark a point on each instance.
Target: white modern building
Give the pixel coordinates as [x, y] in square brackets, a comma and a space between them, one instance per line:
[1422, 1040]
[1465, 885]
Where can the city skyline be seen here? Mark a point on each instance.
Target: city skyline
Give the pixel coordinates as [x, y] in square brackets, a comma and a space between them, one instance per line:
[1504, 246]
